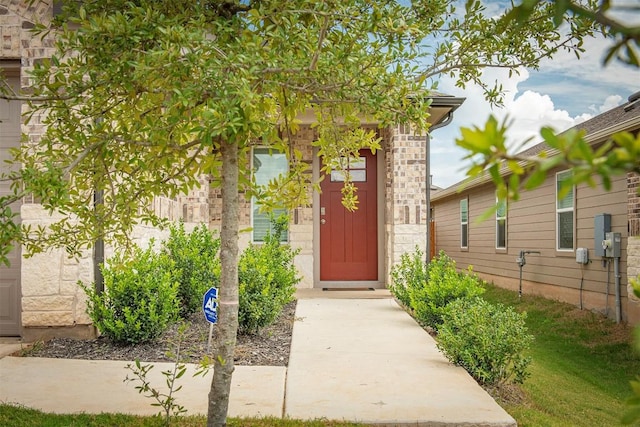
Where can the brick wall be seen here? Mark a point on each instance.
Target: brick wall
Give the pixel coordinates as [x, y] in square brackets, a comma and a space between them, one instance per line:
[16, 18]
[405, 193]
[633, 244]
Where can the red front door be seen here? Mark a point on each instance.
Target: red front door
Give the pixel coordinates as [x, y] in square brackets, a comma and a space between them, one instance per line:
[349, 240]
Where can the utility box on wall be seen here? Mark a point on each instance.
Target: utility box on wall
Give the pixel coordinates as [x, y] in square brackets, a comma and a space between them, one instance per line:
[582, 256]
[602, 226]
[613, 245]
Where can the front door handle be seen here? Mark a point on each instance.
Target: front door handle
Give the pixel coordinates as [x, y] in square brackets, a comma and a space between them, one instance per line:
[323, 221]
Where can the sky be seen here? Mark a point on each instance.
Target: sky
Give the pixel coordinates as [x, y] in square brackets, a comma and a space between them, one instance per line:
[564, 92]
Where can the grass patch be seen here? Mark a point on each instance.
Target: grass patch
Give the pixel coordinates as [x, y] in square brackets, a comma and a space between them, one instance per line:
[18, 416]
[582, 364]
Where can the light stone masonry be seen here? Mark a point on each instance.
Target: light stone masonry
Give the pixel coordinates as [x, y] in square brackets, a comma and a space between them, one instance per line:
[41, 274]
[48, 319]
[49, 303]
[406, 191]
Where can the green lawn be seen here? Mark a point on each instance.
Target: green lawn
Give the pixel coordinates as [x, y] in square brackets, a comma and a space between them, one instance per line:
[582, 365]
[21, 417]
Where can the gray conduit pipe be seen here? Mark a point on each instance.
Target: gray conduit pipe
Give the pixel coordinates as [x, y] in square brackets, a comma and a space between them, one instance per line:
[616, 273]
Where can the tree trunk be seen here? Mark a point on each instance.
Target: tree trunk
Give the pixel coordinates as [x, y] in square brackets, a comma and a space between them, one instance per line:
[228, 293]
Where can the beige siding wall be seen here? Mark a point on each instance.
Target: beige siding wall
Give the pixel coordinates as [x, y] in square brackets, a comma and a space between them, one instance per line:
[531, 225]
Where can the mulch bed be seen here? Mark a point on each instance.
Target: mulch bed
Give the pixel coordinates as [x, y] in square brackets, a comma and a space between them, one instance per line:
[270, 347]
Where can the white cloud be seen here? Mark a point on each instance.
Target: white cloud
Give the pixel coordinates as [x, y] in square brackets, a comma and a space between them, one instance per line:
[568, 75]
[562, 93]
[526, 112]
[531, 111]
[612, 101]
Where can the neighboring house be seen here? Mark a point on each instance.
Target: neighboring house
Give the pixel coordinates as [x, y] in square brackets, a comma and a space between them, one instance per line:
[555, 228]
[40, 297]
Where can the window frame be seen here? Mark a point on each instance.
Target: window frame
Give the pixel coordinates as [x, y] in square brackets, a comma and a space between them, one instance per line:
[254, 203]
[464, 224]
[501, 218]
[559, 210]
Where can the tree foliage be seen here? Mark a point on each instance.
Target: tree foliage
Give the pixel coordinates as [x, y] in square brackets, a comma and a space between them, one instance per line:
[140, 94]
[144, 97]
[513, 173]
[611, 15]
[620, 154]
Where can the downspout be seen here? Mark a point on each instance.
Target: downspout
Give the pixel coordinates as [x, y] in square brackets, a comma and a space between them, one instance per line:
[443, 123]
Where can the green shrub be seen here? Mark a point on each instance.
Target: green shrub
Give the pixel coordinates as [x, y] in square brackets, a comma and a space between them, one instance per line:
[444, 284]
[410, 274]
[488, 340]
[267, 279]
[140, 298]
[196, 261]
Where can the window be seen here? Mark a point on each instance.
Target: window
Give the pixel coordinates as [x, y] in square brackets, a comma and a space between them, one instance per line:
[564, 213]
[501, 224]
[355, 167]
[464, 223]
[268, 164]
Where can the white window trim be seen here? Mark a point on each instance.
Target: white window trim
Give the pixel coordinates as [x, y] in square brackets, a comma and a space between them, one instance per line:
[462, 223]
[558, 211]
[505, 224]
[253, 200]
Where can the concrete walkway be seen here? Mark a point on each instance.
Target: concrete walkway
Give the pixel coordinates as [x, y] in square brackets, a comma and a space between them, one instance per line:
[351, 359]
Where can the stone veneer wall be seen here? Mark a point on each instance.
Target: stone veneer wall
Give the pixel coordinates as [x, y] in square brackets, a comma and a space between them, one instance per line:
[301, 223]
[405, 209]
[52, 301]
[633, 245]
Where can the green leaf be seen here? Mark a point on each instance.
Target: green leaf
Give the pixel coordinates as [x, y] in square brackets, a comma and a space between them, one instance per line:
[550, 137]
[536, 179]
[551, 163]
[515, 167]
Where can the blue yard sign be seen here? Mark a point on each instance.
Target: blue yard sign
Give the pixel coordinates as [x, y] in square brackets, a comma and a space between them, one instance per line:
[210, 305]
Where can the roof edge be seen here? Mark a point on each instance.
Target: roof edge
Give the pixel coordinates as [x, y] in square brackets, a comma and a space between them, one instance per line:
[592, 138]
[446, 101]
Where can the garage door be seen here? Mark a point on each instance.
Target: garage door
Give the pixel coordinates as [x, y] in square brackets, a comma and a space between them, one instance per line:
[10, 276]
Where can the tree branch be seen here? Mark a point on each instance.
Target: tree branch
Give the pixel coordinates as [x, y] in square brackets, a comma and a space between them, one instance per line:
[323, 33]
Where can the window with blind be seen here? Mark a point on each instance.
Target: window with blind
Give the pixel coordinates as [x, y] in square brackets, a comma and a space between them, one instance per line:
[464, 223]
[268, 164]
[501, 224]
[565, 223]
